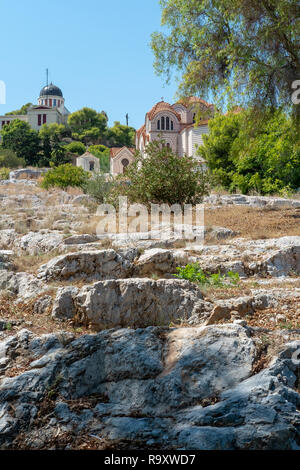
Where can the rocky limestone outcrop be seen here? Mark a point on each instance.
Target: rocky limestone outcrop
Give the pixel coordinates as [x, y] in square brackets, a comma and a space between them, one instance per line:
[23, 286]
[88, 265]
[131, 302]
[187, 388]
[43, 241]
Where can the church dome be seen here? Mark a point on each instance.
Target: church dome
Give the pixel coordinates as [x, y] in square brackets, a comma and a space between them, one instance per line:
[51, 90]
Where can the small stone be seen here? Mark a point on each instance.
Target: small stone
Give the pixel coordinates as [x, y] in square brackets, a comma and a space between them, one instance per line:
[240, 322]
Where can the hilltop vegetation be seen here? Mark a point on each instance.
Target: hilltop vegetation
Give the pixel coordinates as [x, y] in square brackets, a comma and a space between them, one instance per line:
[57, 144]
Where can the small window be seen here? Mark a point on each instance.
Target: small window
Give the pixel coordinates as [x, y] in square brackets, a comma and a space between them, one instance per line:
[158, 125]
[44, 118]
[54, 102]
[167, 123]
[50, 103]
[172, 126]
[125, 164]
[39, 119]
[162, 123]
[92, 166]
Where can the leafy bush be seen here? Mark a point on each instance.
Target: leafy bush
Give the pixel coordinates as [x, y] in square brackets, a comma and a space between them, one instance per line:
[261, 156]
[9, 159]
[193, 273]
[98, 186]
[4, 173]
[75, 147]
[161, 177]
[64, 176]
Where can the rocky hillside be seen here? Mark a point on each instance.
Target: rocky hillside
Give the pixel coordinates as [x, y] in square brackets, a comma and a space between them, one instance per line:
[102, 347]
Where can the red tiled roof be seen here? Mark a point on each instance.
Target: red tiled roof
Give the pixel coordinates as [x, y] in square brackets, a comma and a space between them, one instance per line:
[162, 106]
[114, 151]
[141, 130]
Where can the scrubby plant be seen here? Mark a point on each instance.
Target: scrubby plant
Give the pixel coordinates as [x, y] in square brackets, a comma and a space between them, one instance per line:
[64, 176]
[161, 177]
[9, 159]
[193, 273]
[98, 186]
[4, 173]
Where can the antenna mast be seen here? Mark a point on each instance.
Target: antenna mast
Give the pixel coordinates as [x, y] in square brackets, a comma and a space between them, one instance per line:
[47, 73]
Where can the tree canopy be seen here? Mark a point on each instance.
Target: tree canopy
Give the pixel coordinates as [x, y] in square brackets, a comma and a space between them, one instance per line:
[87, 125]
[249, 49]
[120, 135]
[20, 111]
[265, 161]
[21, 139]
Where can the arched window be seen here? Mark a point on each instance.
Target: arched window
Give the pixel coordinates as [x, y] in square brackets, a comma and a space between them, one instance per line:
[158, 125]
[167, 123]
[172, 126]
[162, 123]
[125, 164]
[194, 118]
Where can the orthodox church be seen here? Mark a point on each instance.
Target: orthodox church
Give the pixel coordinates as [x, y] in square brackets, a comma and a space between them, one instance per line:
[50, 109]
[175, 124]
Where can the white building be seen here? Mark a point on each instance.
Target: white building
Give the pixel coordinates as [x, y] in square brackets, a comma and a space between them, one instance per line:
[175, 124]
[50, 109]
[120, 158]
[88, 162]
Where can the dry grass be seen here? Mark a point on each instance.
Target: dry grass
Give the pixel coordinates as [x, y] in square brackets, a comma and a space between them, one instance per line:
[31, 263]
[255, 223]
[22, 315]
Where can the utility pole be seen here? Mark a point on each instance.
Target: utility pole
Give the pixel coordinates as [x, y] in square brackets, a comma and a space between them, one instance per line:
[127, 119]
[47, 74]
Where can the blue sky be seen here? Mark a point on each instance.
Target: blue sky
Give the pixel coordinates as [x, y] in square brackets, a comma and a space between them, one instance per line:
[97, 52]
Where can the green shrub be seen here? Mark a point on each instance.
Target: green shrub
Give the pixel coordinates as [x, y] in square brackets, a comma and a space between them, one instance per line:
[98, 186]
[193, 273]
[4, 173]
[76, 147]
[64, 176]
[9, 159]
[161, 177]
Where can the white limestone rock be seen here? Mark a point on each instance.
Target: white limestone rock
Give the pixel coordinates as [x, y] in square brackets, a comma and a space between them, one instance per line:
[44, 241]
[138, 302]
[88, 265]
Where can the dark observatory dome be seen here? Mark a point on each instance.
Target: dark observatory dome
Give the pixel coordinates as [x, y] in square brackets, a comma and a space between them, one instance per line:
[51, 90]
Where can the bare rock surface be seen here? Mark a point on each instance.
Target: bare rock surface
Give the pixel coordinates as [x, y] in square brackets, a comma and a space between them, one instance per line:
[23, 286]
[44, 241]
[88, 265]
[131, 302]
[176, 388]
